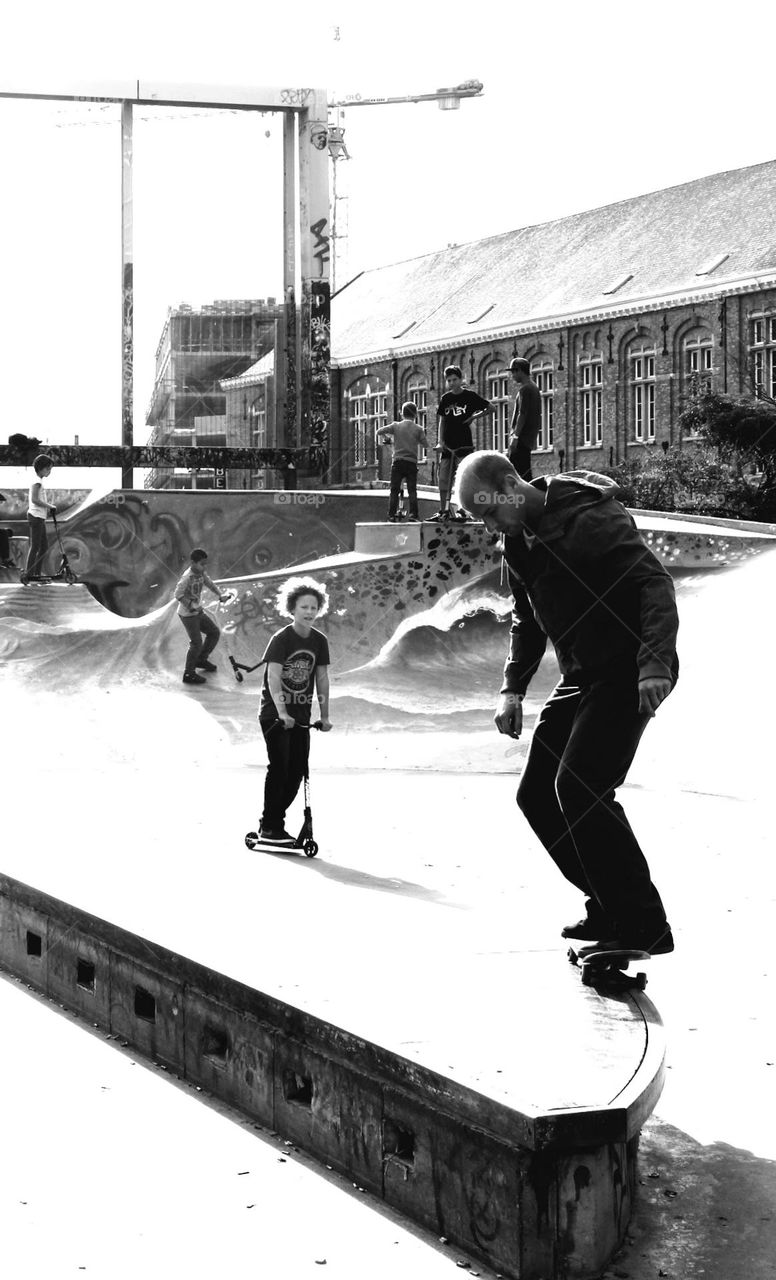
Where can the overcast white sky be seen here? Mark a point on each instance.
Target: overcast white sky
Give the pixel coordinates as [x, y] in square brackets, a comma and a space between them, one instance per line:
[583, 105]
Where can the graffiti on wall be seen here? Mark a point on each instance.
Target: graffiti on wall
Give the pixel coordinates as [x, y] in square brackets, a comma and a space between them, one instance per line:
[127, 354]
[320, 374]
[320, 242]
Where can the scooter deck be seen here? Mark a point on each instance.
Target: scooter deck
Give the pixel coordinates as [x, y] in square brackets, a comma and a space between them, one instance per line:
[302, 844]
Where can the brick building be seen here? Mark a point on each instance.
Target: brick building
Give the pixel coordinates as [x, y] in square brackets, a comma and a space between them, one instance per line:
[251, 416]
[623, 312]
[198, 349]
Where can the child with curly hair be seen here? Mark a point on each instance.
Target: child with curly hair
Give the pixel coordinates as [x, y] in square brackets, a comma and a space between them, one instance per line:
[297, 662]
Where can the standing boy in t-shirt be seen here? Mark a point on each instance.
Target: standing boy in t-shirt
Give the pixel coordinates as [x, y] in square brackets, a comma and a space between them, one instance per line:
[406, 436]
[37, 510]
[297, 662]
[457, 408]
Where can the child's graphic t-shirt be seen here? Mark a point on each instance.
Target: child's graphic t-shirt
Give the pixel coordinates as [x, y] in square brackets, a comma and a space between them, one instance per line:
[298, 658]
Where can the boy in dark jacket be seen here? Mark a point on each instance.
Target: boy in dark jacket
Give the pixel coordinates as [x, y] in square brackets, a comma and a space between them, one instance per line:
[582, 576]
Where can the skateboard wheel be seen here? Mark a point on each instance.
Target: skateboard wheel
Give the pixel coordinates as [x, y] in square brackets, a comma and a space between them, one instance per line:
[310, 848]
[252, 839]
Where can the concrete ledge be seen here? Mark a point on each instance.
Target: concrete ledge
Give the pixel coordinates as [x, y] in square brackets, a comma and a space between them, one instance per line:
[535, 1194]
[382, 539]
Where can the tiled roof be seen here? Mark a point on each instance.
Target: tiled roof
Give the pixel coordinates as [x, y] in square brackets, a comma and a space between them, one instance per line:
[257, 372]
[678, 242]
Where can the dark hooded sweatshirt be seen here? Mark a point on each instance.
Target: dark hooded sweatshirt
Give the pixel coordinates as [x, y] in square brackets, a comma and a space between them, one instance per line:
[587, 582]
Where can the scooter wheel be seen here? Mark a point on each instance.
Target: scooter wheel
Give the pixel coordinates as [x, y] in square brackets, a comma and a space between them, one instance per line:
[310, 848]
[252, 839]
[70, 577]
[238, 675]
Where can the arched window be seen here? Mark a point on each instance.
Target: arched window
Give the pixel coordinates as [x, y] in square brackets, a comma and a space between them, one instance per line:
[417, 392]
[697, 366]
[257, 417]
[543, 376]
[698, 361]
[762, 350]
[367, 411]
[591, 373]
[257, 423]
[642, 385]
[497, 390]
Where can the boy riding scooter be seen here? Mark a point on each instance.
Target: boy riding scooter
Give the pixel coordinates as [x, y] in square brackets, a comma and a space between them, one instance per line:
[297, 662]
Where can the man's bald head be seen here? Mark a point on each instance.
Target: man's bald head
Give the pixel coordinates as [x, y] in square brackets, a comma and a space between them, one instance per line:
[484, 470]
[487, 485]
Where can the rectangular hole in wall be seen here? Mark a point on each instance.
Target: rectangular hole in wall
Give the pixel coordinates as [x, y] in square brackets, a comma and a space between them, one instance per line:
[85, 974]
[398, 1142]
[34, 944]
[145, 1005]
[298, 1089]
[215, 1043]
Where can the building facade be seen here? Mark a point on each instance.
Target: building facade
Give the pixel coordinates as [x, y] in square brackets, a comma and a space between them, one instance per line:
[199, 350]
[251, 418]
[624, 314]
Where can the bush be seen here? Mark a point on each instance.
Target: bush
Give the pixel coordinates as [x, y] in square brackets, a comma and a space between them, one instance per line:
[694, 481]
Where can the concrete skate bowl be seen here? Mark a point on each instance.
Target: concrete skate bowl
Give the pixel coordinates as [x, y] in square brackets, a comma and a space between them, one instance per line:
[59, 637]
[714, 735]
[130, 546]
[369, 596]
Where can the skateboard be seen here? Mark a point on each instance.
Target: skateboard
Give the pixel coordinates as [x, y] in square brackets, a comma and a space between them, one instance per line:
[602, 968]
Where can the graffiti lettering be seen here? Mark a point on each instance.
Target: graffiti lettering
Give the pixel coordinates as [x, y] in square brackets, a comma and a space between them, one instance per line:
[294, 97]
[321, 245]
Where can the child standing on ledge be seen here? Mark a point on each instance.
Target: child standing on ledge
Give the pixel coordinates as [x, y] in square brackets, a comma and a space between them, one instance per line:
[37, 511]
[406, 436]
[297, 661]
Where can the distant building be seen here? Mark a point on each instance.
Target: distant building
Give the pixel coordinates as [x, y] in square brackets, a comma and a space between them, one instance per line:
[624, 312]
[250, 415]
[198, 349]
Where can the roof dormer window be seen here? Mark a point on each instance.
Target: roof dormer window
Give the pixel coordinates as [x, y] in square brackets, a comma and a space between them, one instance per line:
[712, 264]
[618, 284]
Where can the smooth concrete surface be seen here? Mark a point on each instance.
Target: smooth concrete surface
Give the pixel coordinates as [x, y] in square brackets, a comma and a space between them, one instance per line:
[111, 1172]
[424, 863]
[377, 539]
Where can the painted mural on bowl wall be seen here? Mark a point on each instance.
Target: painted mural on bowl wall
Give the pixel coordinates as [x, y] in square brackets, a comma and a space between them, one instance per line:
[131, 546]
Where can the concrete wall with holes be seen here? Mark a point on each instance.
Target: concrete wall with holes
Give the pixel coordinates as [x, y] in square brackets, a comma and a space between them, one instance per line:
[501, 1184]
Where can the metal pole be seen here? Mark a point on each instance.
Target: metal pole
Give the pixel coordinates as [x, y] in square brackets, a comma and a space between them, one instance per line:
[286, 369]
[315, 245]
[127, 294]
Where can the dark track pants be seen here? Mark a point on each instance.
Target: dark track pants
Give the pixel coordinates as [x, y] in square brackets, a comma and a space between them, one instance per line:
[198, 626]
[38, 544]
[403, 469]
[520, 457]
[583, 745]
[287, 752]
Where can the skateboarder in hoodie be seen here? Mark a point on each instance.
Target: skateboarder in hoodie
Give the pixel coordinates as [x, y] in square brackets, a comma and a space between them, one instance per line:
[582, 576]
